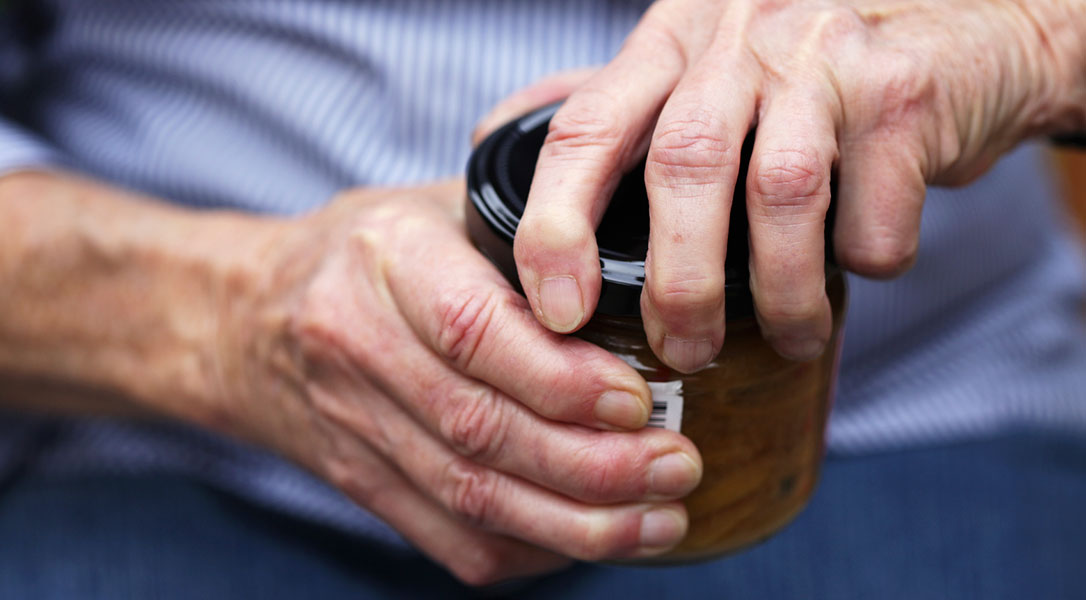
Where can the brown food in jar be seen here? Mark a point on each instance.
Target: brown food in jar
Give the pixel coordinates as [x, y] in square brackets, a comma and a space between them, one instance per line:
[757, 419]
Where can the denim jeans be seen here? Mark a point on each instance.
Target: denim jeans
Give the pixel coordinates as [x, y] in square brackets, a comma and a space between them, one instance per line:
[1002, 518]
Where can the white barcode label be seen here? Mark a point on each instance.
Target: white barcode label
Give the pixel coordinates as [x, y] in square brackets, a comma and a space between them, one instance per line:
[667, 405]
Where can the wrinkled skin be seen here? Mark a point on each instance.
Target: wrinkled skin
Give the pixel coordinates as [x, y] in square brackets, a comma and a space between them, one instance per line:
[389, 357]
[386, 355]
[885, 95]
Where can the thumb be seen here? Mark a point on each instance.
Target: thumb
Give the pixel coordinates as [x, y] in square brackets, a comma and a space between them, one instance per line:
[549, 89]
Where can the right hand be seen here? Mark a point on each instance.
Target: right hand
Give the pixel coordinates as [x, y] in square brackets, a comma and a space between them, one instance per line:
[384, 353]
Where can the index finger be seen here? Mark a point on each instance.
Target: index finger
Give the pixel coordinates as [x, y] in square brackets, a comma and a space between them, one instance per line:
[597, 134]
[470, 315]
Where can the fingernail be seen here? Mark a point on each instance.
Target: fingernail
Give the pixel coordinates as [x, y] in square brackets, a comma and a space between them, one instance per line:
[560, 303]
[661, 528]
[673, 475]
[687, 355]
[800, 349]
[621, 409]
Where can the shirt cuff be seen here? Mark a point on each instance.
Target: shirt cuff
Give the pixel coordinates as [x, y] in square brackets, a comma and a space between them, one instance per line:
[22, 149]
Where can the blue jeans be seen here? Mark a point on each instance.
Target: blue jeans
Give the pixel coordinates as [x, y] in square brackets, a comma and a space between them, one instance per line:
[1003, 518]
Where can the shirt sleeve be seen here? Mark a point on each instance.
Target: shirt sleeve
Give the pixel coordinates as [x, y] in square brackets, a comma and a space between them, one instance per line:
[23, 149]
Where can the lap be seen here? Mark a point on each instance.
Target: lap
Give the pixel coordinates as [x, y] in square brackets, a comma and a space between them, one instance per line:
[995, 519]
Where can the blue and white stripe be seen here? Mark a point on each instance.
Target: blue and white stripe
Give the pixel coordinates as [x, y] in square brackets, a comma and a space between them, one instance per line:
[275, 105]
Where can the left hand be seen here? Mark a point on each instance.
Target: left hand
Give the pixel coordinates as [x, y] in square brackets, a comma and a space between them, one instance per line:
[890, 95]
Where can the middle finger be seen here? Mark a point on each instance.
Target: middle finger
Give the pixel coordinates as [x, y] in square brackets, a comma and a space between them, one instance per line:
[690, 176]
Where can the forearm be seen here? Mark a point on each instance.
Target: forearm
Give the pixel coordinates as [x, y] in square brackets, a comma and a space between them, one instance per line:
[111, 302]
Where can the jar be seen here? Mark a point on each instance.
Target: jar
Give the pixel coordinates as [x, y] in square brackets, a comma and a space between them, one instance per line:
[758, 419]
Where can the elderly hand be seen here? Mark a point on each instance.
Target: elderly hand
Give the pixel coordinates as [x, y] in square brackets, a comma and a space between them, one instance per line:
[886, 95]
[387, 355]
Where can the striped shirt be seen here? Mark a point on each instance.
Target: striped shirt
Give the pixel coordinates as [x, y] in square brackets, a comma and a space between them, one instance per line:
[272, 106]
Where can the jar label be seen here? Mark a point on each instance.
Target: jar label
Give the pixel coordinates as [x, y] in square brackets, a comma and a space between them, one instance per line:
[667, 405]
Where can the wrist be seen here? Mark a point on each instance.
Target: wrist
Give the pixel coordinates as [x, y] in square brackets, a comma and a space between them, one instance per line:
[256, 287]
[204, 362]
[214, 278]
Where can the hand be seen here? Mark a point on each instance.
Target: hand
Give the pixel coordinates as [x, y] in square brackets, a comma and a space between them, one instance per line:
[888, 95]
[384, 353]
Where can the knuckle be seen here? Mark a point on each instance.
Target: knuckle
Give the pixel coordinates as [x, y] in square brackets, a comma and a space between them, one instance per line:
[345, 475]
[546, 232]
[768, 6]
[470, 491]
[475, 424]
[567, 387]
[596, 538]
[681, 294]
[790, 180]
[835, 22]
[906, 95]
[657, 31]
[881, 256]
[904, 82]
[316, 324]
[596, 475]
[693, 147]
[466, 319]
[479, 565]
[378, 218]
[582, 125]
[796, 309]
[902, 92]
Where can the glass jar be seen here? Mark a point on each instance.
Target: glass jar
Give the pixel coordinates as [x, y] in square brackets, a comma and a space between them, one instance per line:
[758, 419]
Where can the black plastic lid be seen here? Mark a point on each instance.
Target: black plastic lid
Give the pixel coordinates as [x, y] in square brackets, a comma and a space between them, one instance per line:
[500, 174]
